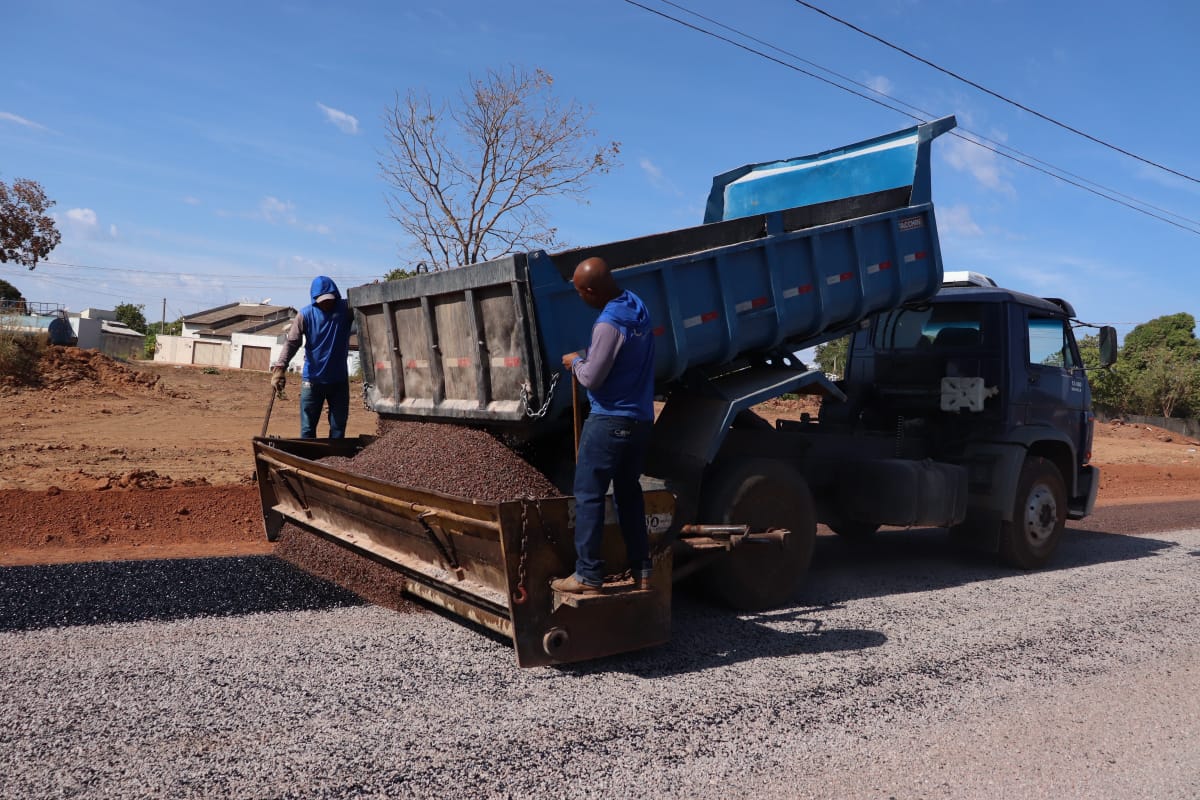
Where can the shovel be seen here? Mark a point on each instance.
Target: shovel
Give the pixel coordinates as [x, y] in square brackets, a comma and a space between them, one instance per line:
[270, 406]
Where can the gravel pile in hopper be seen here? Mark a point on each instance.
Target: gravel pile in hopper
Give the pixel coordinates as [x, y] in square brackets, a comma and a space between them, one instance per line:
[449, 459]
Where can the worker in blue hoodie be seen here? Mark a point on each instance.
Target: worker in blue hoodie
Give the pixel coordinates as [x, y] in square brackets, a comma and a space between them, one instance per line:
[618, 372]
[324, 328]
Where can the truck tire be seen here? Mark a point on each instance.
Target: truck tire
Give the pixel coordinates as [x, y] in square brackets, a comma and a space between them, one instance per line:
[1039, 516]
[763, 494]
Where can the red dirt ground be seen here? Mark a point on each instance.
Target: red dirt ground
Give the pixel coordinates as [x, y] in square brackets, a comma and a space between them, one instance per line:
[109, 461]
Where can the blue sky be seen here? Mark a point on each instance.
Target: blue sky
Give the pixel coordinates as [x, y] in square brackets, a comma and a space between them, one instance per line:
[212, 152]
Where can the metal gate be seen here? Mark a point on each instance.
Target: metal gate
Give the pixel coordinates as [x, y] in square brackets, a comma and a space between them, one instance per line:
[209, 354]
[256, 358]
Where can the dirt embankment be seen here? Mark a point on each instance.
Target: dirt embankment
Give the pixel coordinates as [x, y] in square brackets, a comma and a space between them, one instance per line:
[107, 460]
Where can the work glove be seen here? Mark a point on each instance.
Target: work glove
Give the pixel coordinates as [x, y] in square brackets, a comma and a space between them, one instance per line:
[278, 379]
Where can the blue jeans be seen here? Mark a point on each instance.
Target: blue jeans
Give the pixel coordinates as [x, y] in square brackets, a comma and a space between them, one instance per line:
[612, 450]
[315, 395]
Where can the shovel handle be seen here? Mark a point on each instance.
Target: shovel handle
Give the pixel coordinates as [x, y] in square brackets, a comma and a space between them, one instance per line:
[267, 418]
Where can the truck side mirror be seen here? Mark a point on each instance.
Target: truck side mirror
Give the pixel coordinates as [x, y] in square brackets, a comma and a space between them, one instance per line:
[1108, 346]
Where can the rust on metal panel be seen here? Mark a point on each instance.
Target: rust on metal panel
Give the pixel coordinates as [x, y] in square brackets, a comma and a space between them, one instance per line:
[490, 563]
[550, 628]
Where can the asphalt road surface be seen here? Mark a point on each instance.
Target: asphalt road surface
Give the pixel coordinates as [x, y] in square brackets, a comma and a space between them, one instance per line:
[905, 669]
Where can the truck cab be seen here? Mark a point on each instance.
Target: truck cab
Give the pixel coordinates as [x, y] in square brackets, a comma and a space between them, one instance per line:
[979, 395]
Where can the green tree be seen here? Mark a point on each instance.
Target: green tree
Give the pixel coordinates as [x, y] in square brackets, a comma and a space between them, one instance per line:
[1162, 357]
[27, 232]
[831, 356]
[131, 315]
[1174, 332]
[398, 274]
[1170, 383]
[10, 297]
[471, 178]
[1112, 388]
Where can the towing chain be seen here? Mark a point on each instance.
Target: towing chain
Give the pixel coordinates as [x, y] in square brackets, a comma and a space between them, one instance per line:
[541, 412]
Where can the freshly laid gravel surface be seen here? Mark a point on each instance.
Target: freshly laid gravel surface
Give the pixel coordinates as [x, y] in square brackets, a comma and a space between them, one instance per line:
[903, 670]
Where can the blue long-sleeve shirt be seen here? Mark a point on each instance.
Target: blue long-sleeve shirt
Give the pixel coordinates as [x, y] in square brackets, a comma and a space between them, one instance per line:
[618, 369]
[325, 335]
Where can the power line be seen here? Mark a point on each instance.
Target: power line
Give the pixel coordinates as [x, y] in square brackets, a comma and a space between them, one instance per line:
[997, 95]
[926, 115]
[998, 148]
[1079, 185]
[748, 49]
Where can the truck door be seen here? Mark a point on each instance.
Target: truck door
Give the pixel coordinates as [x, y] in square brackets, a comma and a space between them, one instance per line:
[1057, 393]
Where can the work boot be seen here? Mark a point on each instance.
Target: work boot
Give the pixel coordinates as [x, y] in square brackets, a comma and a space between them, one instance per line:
[572, 585]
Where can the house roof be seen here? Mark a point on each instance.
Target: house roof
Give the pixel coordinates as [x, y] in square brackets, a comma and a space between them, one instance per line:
[119, 328]
[239, 318]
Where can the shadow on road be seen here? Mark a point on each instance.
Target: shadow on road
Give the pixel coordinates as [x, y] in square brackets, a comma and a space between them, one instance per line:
[706, 636]
[902, 561]
[95, 593]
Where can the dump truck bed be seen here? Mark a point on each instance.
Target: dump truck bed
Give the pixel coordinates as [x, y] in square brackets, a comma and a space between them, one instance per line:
[482, 342]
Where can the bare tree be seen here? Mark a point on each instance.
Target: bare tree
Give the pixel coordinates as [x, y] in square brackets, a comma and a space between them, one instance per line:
[27, 232]
[470, 178]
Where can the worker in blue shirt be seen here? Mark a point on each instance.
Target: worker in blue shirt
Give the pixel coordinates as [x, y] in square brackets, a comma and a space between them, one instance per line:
[618, 372]
[324, 327]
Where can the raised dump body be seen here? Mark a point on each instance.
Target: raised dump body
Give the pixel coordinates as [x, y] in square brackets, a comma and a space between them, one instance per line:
[482, 342]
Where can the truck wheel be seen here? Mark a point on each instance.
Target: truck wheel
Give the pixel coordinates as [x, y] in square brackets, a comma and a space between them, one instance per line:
[1039, 515]
[763, 494]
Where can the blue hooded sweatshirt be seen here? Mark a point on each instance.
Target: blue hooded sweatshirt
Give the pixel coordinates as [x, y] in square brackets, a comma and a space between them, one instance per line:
[326, 336]
[628, 389]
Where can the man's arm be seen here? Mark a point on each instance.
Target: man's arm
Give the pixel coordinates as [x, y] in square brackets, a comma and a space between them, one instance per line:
[593, 368]
[295, 336]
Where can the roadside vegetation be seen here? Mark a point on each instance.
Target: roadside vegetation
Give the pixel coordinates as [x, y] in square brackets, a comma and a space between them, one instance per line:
[20, 352]
[1157, 372]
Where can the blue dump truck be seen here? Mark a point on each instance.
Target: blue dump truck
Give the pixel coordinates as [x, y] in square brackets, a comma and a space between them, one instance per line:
[963, 405]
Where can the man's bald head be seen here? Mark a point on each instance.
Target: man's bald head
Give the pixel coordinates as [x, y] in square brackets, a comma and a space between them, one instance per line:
[594, 282]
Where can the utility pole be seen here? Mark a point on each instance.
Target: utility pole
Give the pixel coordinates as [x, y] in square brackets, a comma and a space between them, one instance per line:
[163, 328]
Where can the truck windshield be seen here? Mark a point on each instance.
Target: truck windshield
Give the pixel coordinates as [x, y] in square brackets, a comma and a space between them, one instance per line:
[942, 326]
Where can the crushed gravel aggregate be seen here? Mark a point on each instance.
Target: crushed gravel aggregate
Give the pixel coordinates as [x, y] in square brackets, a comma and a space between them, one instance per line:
[902, 670]
[450, 459]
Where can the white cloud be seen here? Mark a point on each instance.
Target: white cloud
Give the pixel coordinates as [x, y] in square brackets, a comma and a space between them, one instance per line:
[981, 163]
[880, 83]
[344, 122]
[957, 221]
[651, 169]
[273, 209]
[84, 223]
[191, 201]
[83, 216]
[282, 212]
[657, 177]
[28, 123]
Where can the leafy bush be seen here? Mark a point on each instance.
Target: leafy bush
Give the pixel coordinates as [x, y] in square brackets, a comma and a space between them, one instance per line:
[20, 353]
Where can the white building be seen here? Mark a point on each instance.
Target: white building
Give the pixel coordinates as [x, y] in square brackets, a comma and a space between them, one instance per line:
[237, 335]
